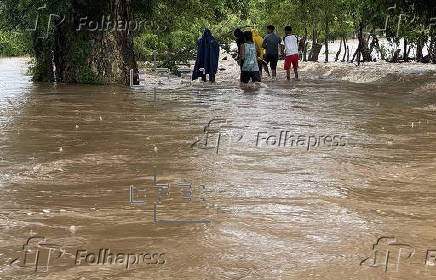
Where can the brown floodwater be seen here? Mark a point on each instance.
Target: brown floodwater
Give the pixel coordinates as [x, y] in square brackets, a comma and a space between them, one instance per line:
[248, 208]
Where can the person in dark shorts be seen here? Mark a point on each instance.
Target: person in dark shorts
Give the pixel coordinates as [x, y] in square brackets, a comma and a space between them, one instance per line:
[271, 44]
[249, 53]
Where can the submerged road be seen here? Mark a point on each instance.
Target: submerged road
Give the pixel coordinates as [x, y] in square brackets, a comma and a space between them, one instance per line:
[293, 181]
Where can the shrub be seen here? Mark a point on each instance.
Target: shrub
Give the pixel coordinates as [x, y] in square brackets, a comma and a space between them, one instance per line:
[13, 44]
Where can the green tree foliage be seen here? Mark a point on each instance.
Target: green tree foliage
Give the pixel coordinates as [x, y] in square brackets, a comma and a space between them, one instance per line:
[173, 26]
[176, 25]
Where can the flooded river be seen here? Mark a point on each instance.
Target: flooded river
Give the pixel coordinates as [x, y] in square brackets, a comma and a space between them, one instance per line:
[294, 181]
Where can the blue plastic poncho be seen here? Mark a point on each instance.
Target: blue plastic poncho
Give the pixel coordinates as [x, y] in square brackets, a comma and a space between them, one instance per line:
[207, 55]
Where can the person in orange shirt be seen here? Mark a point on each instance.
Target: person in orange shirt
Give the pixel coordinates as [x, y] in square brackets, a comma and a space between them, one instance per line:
[258, 40]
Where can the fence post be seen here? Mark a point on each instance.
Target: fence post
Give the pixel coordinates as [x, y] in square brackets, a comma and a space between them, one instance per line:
[131, 77]
[154, 61]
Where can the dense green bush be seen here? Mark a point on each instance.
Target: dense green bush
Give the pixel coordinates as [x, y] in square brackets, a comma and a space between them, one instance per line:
[145, 44]
[178, 45]
[13, 44]
[182, 40]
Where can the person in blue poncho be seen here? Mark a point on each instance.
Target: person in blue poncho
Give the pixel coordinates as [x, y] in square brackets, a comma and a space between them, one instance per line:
[207, 57]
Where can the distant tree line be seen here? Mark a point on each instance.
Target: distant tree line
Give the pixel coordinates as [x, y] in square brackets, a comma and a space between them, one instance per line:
[63, 52]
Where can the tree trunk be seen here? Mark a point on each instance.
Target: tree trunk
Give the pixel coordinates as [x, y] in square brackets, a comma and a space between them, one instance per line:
[302, 46]
[354, 55]
[363, 47]
[396, 55]
[314, 35]
[42, 70]
[374, 41]
[339, 52]
[422, 39]
[86, 54]
[316, 49]
[358, 57]
[375, 44]
[405, 54]
[348, 53]
[419, 47]
[432, 48]
[345, 49]
[313, 43]
[305, 45]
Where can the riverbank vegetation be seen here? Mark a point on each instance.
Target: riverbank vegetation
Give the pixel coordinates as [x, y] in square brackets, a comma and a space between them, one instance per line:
[67, 35]
[13, 44]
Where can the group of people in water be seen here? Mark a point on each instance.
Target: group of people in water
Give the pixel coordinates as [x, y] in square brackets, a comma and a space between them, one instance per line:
[254, 54]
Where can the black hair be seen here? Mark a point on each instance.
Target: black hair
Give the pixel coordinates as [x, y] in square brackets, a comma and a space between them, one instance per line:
[248, 36]
[238, 33]
[288, 28]
[271, 27]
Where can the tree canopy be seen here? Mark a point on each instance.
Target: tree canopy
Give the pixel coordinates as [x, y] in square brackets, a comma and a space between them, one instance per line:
[173, 26]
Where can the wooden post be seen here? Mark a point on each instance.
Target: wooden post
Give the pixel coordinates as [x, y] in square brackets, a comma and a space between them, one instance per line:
[131, 77]
[154, 61]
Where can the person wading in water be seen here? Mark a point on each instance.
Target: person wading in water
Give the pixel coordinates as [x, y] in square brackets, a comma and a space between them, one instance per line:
[271, 44]
[239, 38]
[261, 63]
[249, 53]
[208, 52]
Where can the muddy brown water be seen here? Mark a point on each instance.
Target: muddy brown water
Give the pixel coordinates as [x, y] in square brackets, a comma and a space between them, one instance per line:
[69, 154]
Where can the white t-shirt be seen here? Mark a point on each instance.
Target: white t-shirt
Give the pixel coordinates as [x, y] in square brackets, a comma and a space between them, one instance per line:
[291, 45]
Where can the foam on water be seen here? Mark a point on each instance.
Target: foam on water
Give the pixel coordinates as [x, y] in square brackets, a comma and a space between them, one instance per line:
[370, 72]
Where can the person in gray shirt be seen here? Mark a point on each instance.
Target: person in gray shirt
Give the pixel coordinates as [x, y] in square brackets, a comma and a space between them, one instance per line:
[271, 44]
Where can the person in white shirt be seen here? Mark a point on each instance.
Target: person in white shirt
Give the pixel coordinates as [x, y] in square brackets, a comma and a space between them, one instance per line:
[289, 47]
